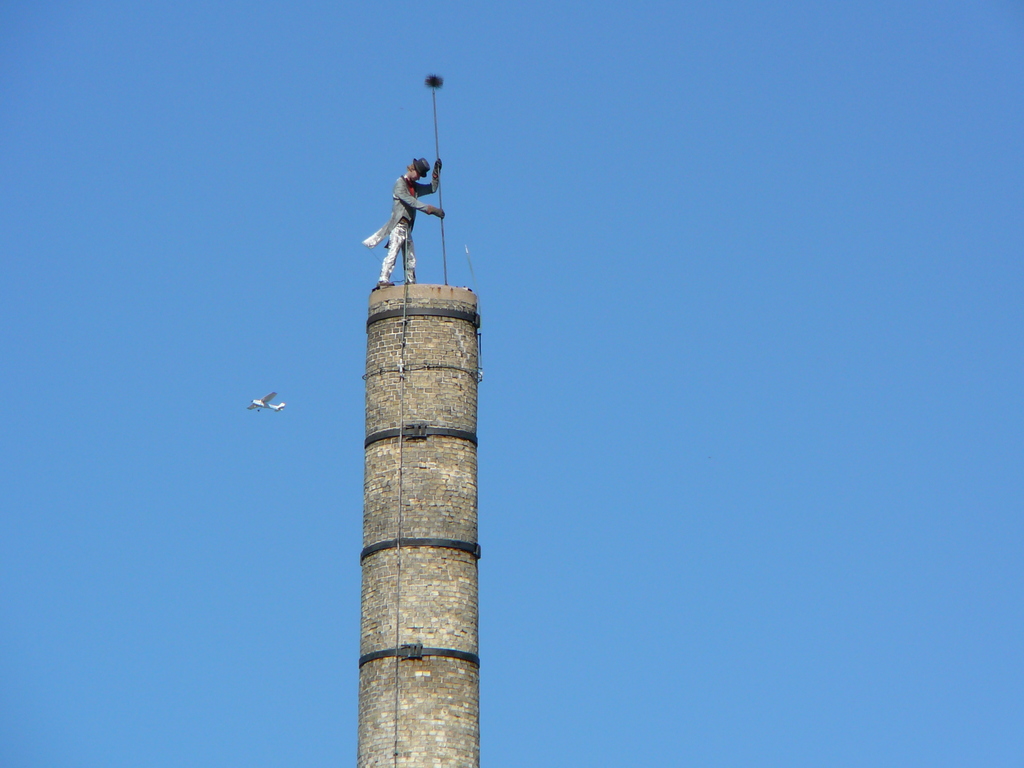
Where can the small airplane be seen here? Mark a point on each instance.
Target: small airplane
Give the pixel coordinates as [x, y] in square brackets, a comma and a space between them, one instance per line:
[264, 402]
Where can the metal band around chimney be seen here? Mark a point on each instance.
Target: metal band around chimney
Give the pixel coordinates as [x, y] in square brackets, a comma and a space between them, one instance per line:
[417, 651]
[415, 431]
[465, 546]
[455, 314]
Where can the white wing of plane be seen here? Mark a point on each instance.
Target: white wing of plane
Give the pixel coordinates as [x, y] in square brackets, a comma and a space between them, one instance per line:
[267, 398]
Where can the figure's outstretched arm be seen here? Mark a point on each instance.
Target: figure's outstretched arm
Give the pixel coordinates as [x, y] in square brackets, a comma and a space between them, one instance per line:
[401, 193]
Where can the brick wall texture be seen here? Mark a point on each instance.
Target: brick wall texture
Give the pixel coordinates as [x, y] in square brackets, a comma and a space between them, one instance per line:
[425, 595]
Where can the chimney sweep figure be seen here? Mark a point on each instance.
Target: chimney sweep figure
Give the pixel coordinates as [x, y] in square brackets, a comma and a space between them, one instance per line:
[403, 216]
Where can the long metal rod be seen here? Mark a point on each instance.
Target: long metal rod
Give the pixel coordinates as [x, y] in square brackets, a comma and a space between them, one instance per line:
[399, 517]
[440, 201]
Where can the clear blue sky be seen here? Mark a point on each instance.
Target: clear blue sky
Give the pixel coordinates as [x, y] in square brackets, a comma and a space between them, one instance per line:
[751, 422]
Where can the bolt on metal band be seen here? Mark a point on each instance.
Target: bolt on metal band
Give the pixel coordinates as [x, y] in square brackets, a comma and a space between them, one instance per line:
[417, 651]
[455, 314]
[465, 546]
[419, 431]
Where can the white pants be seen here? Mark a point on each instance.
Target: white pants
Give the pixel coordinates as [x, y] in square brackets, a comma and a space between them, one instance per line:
[400, 241]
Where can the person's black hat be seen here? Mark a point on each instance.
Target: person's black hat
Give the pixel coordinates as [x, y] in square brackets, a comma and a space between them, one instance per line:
[422, 166]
